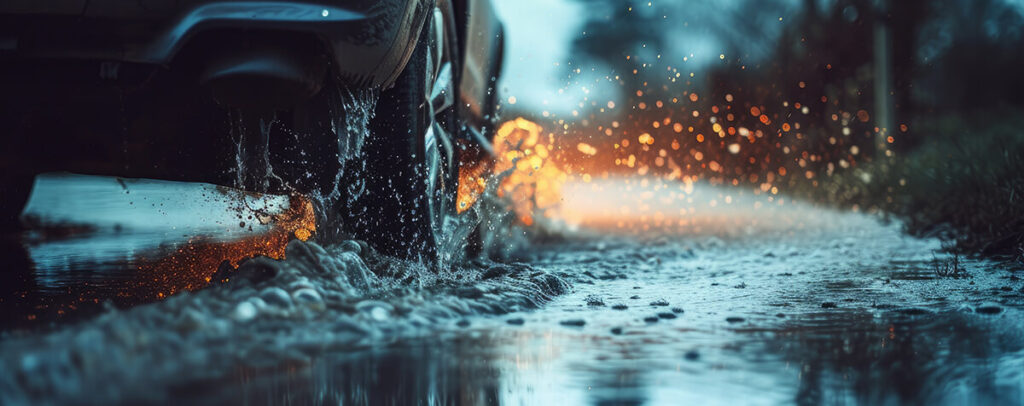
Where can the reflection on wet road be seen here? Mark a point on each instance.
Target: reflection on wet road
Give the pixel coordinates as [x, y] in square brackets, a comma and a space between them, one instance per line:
[751, 299]
[97, 239]
[781, 303]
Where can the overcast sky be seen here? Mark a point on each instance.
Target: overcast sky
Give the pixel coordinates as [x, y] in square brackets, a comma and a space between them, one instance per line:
[539, 34]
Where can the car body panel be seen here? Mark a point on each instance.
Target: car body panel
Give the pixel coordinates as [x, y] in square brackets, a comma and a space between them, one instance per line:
[369, 41]
[482, 59]
[56, 7]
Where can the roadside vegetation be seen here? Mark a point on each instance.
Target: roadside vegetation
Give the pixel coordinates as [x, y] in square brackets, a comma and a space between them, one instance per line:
[964, 184]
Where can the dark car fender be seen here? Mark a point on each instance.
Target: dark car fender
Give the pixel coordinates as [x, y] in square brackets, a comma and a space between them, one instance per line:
[481, 44]
[368, 41]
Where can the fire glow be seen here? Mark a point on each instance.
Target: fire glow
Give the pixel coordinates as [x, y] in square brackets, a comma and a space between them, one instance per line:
[192, 266]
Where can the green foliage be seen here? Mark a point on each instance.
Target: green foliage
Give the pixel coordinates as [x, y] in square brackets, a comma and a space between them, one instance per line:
[965, 183]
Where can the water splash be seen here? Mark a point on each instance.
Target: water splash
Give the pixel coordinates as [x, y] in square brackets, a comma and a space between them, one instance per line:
[251, 133]
[351, 112]
[269, 313]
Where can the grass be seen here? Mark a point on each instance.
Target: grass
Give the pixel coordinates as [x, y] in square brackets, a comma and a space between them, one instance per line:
[964, 183]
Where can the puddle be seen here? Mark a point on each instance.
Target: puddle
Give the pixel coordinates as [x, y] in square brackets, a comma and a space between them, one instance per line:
[796, 304]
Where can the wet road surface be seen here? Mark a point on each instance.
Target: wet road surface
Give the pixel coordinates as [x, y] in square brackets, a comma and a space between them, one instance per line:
[751, 300]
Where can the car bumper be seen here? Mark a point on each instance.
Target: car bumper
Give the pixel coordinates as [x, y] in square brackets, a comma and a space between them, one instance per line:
[368, 40]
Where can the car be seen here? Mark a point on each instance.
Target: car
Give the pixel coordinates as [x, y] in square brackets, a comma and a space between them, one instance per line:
[368, 106]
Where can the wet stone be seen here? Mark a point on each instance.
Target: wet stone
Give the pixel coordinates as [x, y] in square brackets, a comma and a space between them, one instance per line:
[309, 298]
[735, 319]
[594, 300]
[634, 297]
[829, 305]
[518, 321]
[573, 322]
[276, 297]
[989, 309]
[192, 320]
[350, 246]
[651, 319]
[913, 311]
[780, 315]
[678, 310]
[377, 310]
[462, 323]
[692, 355]
[666, 315]
[300, 284]
[257, 269]
[616, 330]
[224, 272]
[469, 292]
[498, 271]
[245, 311]
[659, 302]
[347, 324]
[619, 307]
[364, 247]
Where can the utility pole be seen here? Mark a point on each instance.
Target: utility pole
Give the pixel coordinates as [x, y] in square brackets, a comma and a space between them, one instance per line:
[884, 111]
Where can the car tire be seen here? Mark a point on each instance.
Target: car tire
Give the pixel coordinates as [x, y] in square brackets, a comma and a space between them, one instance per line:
[393, 208]
[15, 189]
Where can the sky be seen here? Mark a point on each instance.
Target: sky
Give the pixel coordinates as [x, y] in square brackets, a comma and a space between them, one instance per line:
[539, 34]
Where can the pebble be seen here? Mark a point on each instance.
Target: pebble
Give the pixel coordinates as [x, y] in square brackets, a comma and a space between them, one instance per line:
[518, 321]
[302, 283]
[192, 320]
[616, 330]
[245, 311]
[692, 355]
[651, 319]
[277, 297]
[678, 310]
[989, 309]
[593, 300]
[469, 292]
[619, 307]
[666, 315]
[735, 319]
[573, 322]
[634, 297]
[310, 298]
[497, 271]
[377, 310]
[350, 246]
[913, 311]
[462, 323]
[659, 302]
[829, 305]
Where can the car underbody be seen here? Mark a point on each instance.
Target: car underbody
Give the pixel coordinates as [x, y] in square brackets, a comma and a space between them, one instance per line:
[206, 90]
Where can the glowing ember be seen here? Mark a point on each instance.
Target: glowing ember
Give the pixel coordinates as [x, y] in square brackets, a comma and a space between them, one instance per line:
[472, 184]
[193, 266]
[525, 157]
